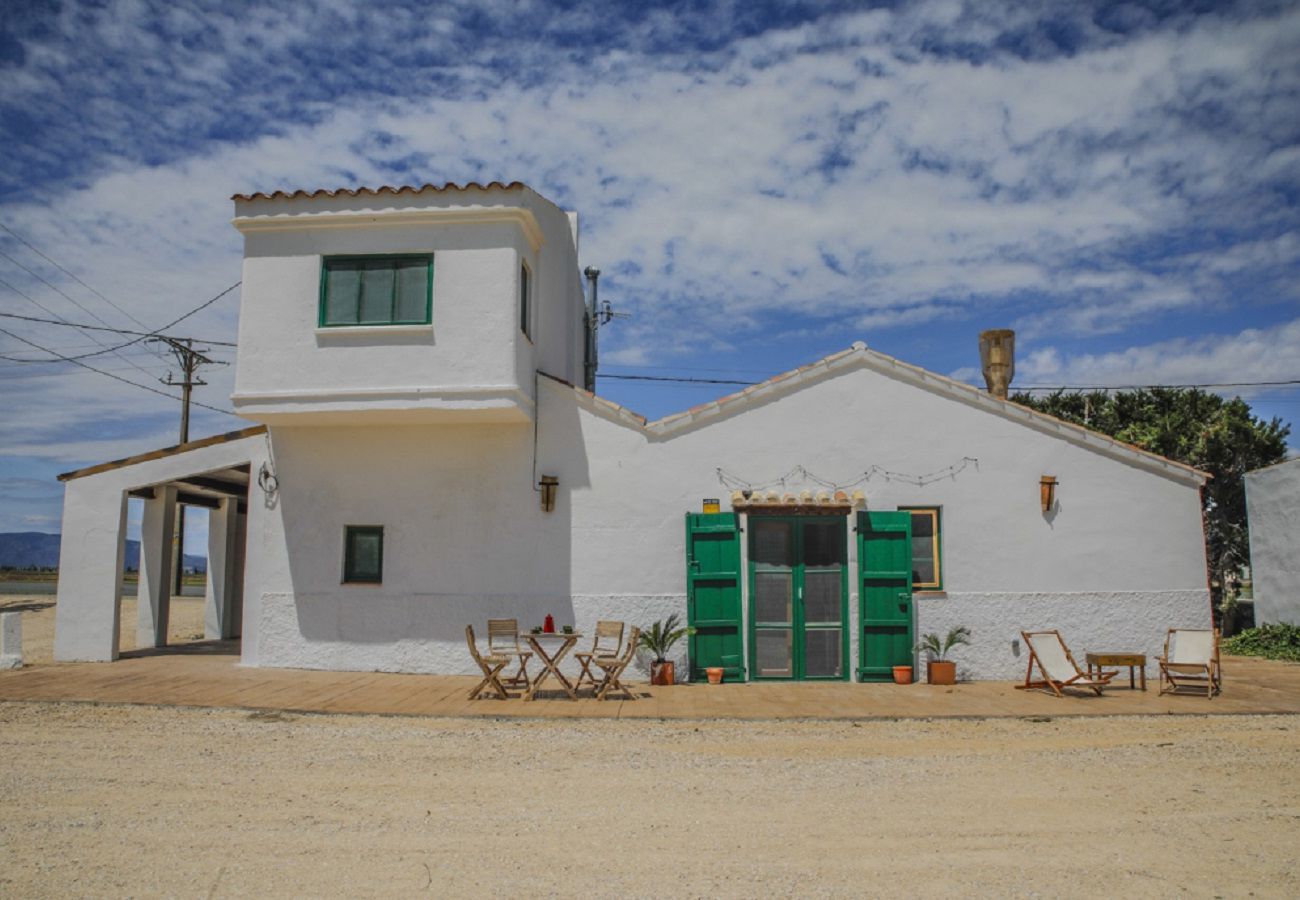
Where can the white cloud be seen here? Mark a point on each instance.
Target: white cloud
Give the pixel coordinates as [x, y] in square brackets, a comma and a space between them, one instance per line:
[1252, 355]
[806, 182]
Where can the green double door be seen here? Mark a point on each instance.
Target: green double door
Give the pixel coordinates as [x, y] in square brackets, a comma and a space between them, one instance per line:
[798, 590]
[885, 595]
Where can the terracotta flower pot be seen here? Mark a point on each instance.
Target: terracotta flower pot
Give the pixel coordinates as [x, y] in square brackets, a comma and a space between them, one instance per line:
[664, 673]
[941, 672]
[902, 674]
[715, 674]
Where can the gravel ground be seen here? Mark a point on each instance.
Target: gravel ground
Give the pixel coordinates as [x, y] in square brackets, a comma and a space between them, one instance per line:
[132, 801]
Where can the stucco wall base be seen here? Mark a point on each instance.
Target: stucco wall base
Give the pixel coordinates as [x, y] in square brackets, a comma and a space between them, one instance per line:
[1129, 621]
[425, 633]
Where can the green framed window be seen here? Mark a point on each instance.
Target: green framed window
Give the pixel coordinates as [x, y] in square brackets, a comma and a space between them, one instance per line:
[525, 301]
[927, 547]
[363, 554]
[376, 290]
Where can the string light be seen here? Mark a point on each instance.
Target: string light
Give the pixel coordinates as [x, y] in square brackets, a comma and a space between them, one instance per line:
[801, 475]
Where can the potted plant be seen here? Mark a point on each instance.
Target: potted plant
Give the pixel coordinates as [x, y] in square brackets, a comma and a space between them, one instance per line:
[902, 674]
[659, 638]
[941, 670]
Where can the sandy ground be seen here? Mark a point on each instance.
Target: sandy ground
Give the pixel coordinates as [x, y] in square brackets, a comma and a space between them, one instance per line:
[115, 801]
[184, 624]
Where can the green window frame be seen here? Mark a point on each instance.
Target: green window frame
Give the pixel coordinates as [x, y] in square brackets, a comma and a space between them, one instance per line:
[525, 301]
[363, 554]
[395, 289]
[927, 546]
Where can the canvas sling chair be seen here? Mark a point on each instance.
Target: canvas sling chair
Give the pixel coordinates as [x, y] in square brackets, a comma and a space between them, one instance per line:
[503, 640]
[1047, 650]
[613, 667]
[491, 666]
[1191, 660]
[608, 641]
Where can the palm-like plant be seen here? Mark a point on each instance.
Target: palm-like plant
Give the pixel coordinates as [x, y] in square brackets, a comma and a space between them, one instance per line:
[930, 643]
[660, 637]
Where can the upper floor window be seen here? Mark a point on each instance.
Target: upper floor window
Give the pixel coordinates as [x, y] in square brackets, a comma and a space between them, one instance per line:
[927, 564]
[376, 290]
[525, 301]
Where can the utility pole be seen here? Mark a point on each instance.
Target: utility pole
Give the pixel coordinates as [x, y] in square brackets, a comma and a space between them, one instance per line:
[189, 359]
[594, 316]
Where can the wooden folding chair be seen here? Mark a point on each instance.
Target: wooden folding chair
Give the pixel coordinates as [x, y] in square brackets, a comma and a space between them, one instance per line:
[1191, 659]
[608, 641]
[613, 668]
[503, 640]
[1047, 650]
[491, 666]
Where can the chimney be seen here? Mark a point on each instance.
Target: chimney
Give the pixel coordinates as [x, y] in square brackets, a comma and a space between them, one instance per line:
[998, 360]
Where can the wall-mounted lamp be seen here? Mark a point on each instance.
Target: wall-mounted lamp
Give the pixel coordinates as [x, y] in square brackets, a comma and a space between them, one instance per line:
[1047, 492]
[547, 487]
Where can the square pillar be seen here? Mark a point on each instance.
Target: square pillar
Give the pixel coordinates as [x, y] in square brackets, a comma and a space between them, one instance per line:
[225, 572]
[88, 609]
[154, 598]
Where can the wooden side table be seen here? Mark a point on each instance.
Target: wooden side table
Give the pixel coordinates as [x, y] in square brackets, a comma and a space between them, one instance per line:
[1136, 661]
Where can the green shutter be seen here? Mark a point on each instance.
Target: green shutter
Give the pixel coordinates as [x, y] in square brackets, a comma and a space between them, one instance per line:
[885, 598]
[713, 594]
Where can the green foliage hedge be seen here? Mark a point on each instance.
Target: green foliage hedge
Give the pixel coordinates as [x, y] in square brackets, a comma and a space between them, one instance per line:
[1268, 641]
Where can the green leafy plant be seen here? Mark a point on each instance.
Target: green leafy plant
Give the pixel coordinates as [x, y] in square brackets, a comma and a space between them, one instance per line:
[660, 637]
[931, 644]
[1274, 641]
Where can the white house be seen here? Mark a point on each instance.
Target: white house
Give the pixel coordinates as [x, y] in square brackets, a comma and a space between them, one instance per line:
[410, 358]
[1273, 511]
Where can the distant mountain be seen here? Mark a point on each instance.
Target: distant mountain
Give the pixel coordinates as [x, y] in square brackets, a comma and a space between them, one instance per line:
[34, 548]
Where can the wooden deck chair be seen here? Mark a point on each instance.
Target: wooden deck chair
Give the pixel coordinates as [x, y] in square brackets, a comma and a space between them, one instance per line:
[1191, 660]
[607, 643]
[491, 666]
[503, 640]
[613, 667]
[1047, 650]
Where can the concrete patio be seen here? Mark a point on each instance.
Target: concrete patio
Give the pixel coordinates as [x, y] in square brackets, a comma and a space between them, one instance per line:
[207, 674]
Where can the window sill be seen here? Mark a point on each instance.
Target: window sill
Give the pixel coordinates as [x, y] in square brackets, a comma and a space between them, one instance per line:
[373, 330]
[931, 594]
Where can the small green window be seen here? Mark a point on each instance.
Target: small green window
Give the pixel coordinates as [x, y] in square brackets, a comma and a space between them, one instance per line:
[363, 554]
[525, 302]
[927, 564]
[376, 290]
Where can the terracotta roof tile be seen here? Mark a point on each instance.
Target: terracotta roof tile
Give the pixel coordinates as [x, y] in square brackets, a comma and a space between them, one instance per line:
[383, 189]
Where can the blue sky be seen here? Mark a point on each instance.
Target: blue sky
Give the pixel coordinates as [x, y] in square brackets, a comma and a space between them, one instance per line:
[761, 184]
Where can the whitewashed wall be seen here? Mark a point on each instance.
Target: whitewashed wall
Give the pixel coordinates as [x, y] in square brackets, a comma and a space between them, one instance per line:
[1117, 562]
[87, 613]
[471, 360]
[1273, 510]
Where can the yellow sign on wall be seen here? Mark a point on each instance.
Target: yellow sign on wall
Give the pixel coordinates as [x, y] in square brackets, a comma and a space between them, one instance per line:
[712, 505]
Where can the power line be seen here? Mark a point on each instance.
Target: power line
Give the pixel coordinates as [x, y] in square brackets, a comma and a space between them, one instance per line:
[16, 236]
[106, 328]
[83, 365]
[1026, 389]
[39, 305]
[1148, 387]
[135, 340]
[677, 380]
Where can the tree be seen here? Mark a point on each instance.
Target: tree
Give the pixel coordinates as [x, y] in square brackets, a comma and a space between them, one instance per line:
[1196, 428]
